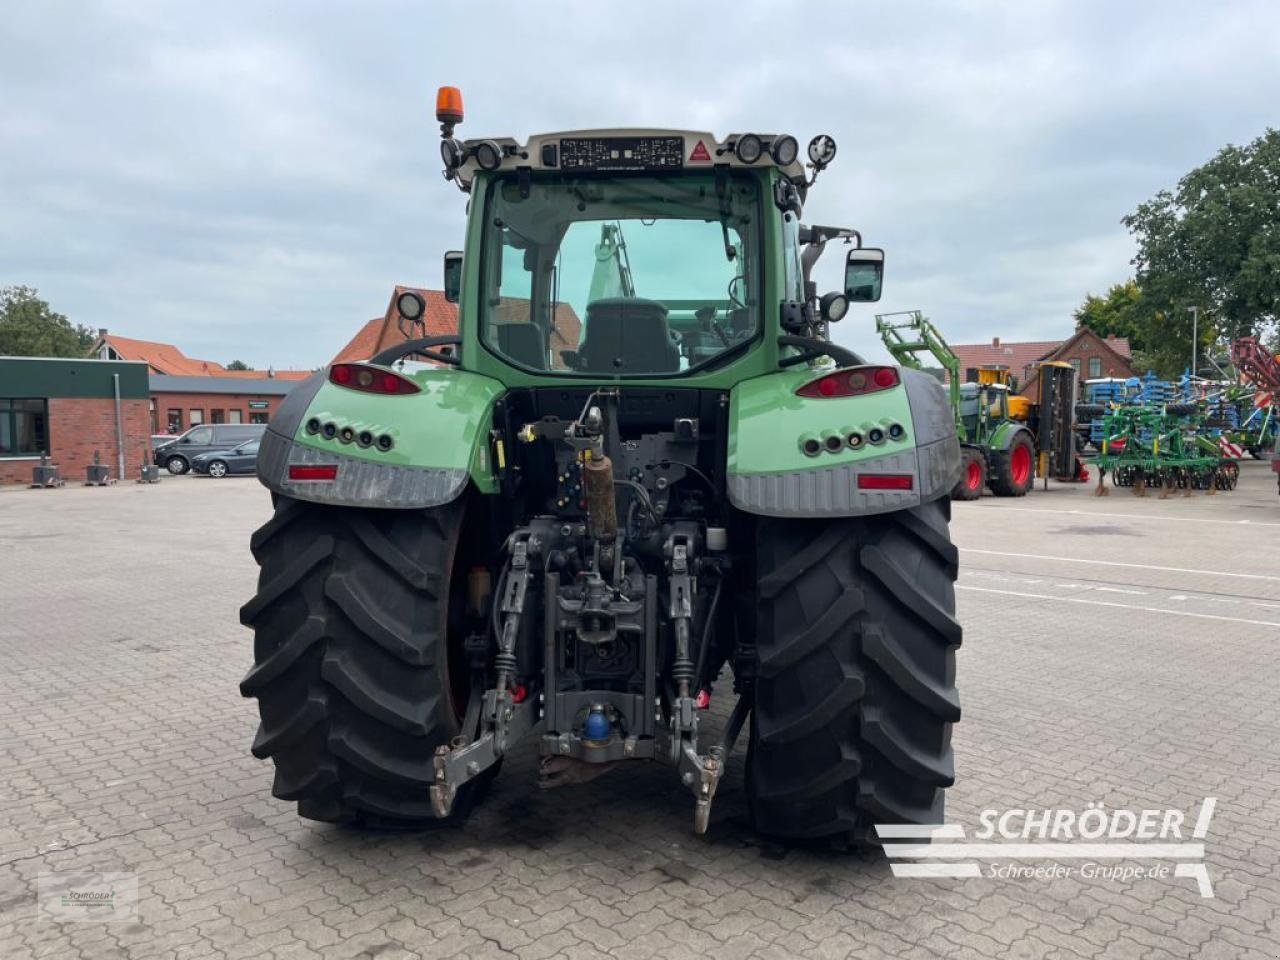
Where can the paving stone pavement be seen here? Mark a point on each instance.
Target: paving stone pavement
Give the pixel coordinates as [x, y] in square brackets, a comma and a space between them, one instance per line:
[1117, 649]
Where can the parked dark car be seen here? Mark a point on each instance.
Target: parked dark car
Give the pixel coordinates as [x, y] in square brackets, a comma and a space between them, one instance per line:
[176, 456]
[223, 463]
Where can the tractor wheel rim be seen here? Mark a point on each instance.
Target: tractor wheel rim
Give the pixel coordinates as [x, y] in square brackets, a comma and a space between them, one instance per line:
[1020, 464]
[973, 477]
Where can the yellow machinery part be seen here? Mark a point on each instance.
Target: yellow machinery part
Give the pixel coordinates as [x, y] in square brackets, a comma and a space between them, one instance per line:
[993, 375]
[1020, 408]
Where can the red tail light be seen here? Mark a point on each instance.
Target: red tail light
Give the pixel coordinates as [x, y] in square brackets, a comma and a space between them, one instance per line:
[313, 471]
[850, 382]
[885, 481]
[357, 376]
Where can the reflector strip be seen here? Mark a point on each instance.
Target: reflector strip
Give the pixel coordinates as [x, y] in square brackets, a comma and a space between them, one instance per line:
[885, 481]
[313, 471]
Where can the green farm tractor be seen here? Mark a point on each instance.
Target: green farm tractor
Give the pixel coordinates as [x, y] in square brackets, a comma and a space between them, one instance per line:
[997, 449]
[639, 464]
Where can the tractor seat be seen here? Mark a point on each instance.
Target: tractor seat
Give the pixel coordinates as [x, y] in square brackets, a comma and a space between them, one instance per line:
[523, 343]
[627, 335]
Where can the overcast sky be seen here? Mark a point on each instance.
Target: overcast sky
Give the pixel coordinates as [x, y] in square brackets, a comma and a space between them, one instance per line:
[248, 180]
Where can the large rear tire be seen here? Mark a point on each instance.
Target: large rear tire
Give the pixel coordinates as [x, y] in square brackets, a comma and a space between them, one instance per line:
[1012, 472]
[855, 690]
[352, 659]
[973, 475]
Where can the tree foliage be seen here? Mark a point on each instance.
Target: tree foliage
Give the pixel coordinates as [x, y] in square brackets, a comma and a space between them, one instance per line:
[30, 328]
[1213, 242]
[238, 365]
[1119, 314]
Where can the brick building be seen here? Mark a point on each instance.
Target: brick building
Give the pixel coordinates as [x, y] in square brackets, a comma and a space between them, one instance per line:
[186, 392]
[1091, 355]
[67, 408]
[180, 403]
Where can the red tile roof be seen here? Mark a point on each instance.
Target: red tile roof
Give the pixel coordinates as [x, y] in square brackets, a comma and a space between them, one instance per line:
[442, 319]
[165, 358]
[1020, 355]
[161, 357]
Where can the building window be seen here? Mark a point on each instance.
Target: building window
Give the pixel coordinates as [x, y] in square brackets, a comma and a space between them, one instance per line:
[256, 417]
[1095, 367]
[1075, 364]
[24, 428]
[175, 420]
[217, 416]
[197, 416]
[235, 416]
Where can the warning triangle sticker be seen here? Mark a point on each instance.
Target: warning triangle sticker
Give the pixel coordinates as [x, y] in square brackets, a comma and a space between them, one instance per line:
[700, 154]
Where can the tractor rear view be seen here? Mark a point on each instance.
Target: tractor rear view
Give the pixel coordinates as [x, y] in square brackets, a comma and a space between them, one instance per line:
[640, 460]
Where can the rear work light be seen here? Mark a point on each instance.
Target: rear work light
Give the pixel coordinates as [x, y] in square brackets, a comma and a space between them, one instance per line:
[885, 481]
[850, 382]
[357, 376]
[313, 471]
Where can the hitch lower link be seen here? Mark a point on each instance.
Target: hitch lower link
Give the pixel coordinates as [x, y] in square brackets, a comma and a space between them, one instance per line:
[701, 774]
[501, 720]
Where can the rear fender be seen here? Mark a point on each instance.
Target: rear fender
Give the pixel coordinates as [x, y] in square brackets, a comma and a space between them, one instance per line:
[438, 437]
[1005, 434]
[770, 474]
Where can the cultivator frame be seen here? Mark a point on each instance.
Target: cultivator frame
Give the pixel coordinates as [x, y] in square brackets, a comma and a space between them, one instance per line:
[1149, 446]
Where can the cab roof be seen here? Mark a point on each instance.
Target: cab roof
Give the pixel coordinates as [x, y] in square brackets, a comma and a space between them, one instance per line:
[625, 150]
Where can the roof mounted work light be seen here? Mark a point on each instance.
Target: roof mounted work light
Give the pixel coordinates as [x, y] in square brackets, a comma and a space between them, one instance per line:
[784, 151]
[488, 155]
[748, 148]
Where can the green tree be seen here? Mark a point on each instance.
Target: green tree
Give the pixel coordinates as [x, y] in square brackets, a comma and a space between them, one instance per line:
[238, 365]
[30, 328]
[1213, 242]
[1119, 314]
[1124, 312]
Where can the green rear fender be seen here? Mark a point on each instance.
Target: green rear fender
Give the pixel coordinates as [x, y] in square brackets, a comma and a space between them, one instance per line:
[1003, 436]
[438, 440]
[770, 473]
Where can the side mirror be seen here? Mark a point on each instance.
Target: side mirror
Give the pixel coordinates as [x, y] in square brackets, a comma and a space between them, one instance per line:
[452, 275]
[864, 274]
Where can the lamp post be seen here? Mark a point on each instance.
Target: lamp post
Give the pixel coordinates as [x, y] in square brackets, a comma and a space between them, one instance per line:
[1195, 324]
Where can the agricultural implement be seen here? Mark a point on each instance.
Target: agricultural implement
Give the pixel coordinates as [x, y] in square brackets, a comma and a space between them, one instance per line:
[639, 463]
[1148, 446]
[1260, 368]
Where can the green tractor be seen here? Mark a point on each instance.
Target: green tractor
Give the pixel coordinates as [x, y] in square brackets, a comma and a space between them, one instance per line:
[640, 460]
[997, 449]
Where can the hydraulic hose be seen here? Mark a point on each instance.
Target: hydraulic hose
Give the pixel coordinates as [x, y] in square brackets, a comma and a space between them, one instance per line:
[707, 628]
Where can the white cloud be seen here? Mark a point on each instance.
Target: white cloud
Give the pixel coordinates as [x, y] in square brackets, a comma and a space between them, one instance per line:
[248, 179]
